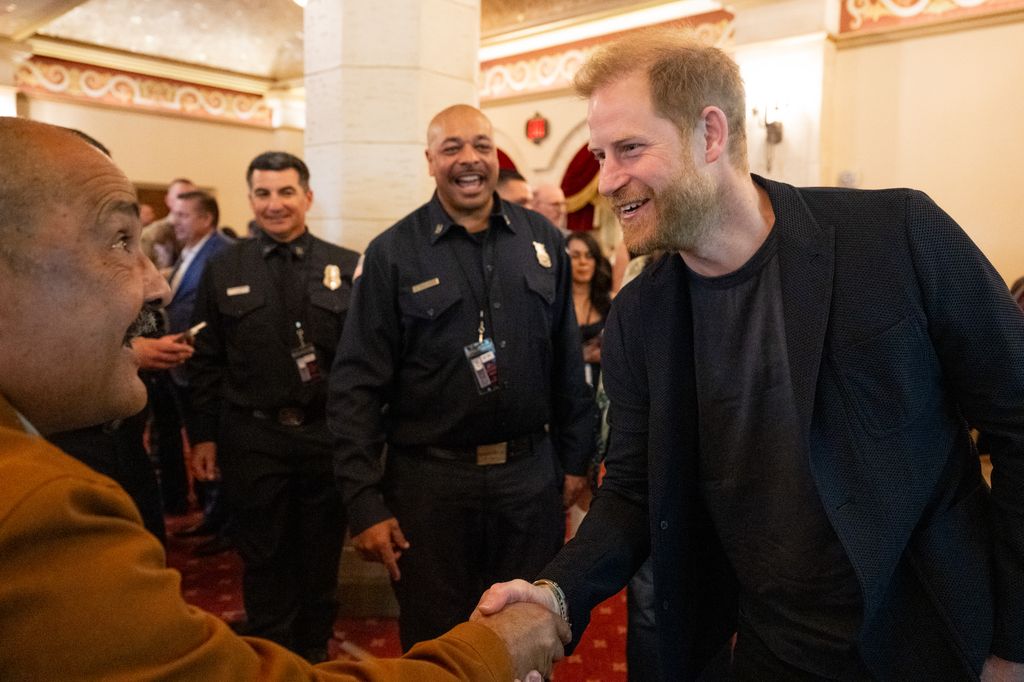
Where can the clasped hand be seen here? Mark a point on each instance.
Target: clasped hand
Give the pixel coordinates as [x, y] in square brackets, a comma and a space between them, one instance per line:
[532, 614]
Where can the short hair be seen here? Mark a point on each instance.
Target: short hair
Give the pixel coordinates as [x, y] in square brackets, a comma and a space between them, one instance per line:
[278, 161]
[508, 175]
[207, 204]
[685, 75]
[182, 181]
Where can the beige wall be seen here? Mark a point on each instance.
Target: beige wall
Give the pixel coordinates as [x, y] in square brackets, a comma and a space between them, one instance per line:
[567, 125]
[154, 149]
[944, 114]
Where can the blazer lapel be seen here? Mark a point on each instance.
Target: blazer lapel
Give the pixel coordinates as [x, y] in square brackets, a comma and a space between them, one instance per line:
[190, 280]
[806, 260]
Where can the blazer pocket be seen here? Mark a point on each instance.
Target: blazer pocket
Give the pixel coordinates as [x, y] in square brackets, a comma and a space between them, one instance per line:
[953, 558]
[890, 376]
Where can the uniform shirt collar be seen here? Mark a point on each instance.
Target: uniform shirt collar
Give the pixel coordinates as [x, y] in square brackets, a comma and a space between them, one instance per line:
[440, 223]
[298, 247]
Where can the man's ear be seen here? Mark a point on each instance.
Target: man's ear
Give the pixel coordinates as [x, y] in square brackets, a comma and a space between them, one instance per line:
[716, 133]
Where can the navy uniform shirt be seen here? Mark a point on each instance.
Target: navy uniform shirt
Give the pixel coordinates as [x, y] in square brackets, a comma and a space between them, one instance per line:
[250, 305]
[401, 373]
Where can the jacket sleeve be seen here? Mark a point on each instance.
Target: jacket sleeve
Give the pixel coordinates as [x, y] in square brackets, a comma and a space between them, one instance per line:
[361, 378]
[207, 365]
[85, 594]
[614, 539]
[978, 333]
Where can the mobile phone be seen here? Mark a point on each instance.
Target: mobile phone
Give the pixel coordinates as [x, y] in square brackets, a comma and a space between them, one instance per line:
[189, 336]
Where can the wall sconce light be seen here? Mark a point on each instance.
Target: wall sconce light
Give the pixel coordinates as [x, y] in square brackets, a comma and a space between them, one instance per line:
[770, 118]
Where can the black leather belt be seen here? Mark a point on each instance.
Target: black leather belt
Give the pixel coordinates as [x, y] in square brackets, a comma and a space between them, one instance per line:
[490, 453]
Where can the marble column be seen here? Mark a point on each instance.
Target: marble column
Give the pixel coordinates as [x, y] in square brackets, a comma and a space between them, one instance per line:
[376, 72]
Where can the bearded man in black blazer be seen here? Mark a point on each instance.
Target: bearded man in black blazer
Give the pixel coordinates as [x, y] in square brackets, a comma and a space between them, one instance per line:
[792, 389]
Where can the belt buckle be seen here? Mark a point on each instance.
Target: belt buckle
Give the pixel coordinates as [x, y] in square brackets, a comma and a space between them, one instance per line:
[495, 453]
[290, 416]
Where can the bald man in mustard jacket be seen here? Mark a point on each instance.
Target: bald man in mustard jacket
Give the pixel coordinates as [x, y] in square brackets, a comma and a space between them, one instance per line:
[85, 593]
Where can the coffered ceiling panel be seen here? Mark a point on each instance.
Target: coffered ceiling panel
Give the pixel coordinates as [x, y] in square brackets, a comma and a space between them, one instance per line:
[502, 16]
[255, 37]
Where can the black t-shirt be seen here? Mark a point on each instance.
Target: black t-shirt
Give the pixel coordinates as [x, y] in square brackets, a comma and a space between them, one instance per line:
[799, 593]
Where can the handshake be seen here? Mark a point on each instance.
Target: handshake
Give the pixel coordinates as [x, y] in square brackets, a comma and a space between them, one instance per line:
[532, 622]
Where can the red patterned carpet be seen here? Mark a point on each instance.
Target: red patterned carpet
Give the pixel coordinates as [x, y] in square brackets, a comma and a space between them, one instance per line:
[214, 584]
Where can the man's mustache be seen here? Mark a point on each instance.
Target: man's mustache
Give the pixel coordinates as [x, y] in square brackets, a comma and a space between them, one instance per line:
[145, 323]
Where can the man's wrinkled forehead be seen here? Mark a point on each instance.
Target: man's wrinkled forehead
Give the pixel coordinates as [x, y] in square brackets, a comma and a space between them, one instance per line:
[59, 171]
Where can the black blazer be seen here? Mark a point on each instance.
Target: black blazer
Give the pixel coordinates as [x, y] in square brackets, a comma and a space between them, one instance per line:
[900, 334]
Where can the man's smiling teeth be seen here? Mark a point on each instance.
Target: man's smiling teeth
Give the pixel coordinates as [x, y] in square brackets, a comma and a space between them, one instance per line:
[632, 206]
[470, 180]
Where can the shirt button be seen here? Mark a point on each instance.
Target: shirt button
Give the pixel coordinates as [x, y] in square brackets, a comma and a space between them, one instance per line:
[664, 605]
[430, 312]
[497, 304]
[664, 525]
[502, 344]
[489, 267]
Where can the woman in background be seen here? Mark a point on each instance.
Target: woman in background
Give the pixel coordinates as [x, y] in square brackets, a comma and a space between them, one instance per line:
[591, 295]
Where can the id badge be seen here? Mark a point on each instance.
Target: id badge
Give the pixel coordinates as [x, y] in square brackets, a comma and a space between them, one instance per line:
[484, 364]
[306, 362]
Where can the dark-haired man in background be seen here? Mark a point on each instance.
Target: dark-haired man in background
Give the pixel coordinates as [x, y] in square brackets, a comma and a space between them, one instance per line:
[274, 308]
[195, 216]
[513, 188]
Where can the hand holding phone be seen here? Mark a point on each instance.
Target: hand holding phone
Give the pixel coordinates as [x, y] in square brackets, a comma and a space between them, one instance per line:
[189, 335]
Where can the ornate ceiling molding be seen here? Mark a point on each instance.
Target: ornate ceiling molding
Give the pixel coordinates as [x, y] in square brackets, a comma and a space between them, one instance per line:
[90, 84]
[119, 60]
[862, 17]
[552, 69]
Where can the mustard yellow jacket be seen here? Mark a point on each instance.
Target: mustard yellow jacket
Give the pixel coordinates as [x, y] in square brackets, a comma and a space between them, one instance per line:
[85, 594]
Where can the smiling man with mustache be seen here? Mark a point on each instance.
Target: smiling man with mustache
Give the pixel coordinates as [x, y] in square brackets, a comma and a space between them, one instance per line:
[461, 351]
[84, 590]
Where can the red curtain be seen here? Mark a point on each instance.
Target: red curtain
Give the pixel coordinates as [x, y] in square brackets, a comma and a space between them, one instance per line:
[504, 161]
[578, 175]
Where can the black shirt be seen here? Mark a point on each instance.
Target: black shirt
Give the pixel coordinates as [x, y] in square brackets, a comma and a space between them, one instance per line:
[401, 373]
[251, 295]
[799, 594]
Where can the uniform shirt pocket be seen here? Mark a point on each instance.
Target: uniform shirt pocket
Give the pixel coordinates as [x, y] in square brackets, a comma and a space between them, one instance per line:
[327, 311]
[542, 283]
[430, 319]
[239, 305]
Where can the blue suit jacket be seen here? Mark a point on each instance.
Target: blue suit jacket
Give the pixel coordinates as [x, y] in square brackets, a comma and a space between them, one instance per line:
[179, 310]
[900, 334]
